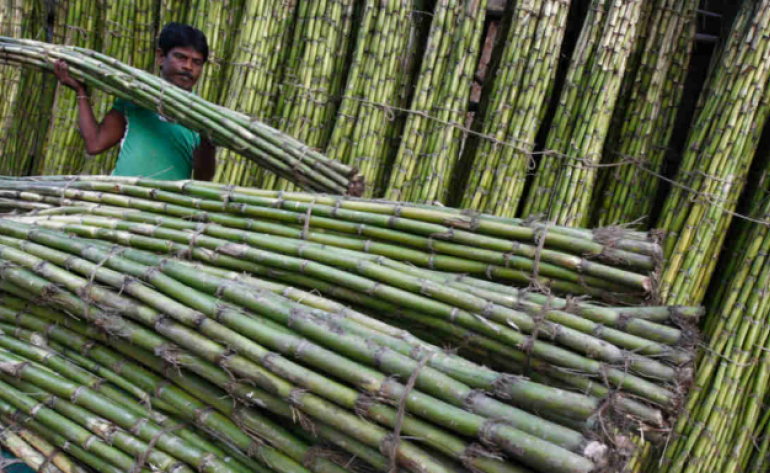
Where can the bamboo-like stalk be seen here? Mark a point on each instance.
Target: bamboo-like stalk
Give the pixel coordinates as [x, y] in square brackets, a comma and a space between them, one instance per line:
[24, 117]
[49, 322]
[565, 181]
[64, 151]
[308, 403]
[364, 121]
[254, 75]
[636, 249]
[695, 228]
[443, 302]
[169, 397]
[26, 453]
[645, 124]
[493, 173]
[380, 306]
[219, 424]
[49, 453]
[64, 427]
[357, 375]
[430, 146]
[473, 323]
[312, 79]
[509, 260]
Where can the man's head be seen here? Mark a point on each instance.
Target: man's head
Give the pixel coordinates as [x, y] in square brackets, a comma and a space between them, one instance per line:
[182, 52]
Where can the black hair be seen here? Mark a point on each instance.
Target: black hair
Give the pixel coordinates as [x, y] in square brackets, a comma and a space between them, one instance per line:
[177, 35]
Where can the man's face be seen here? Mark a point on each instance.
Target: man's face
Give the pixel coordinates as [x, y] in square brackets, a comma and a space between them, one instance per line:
[181, 66]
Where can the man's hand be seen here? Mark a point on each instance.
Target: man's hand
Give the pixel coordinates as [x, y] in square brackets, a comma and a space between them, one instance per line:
[62, 72]
[98, 137]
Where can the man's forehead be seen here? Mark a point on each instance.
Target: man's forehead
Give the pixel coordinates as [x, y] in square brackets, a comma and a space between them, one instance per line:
[187, 51]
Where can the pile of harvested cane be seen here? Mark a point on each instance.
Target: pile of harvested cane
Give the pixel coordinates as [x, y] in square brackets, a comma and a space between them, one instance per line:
[179, 325]
[270, 148]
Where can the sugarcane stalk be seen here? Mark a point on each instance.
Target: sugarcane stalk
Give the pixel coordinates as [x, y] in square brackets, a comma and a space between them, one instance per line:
[49, 453]
[25, 453]
[301, 399]
[583, 117]
[364, 379]
[692, 224]
[513, 104]
[64, 427]
[499, 314]
[500, 255]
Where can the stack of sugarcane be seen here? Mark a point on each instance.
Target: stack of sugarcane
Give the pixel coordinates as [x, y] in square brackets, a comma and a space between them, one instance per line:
[610, 264]
[64, 151]
[432, 137]
[720, 148]
[254, 76]
[365, 120]
[496, 168]
[758, 459]
[315, 73]
[194, 281]
[337, 245]
[24, 117]
[218, 20]
[129, 36]
[566, 173]
[270, 148]
[725, 417]
[645, 122]
[173, 10]
[35, 451]
[10, 25]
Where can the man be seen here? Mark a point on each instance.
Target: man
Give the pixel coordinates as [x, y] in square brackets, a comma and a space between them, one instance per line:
[151, 145]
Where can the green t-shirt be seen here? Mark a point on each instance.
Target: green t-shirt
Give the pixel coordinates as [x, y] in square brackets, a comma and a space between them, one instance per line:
[153, 146]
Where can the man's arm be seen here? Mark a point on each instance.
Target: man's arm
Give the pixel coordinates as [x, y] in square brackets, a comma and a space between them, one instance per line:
[204, 160]
[98, 137]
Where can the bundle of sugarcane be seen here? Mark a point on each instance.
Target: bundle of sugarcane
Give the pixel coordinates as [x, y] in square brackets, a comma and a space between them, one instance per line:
[10, 25]
[719, 151]
[107, 398]
[255, 140]
[606, 264]
[365, 122]
[24, 117]
[254, 76]
[496, 165]
[637, 351]
[725, 409]
[218, 20]
[129, 36]
[315, 74]
[566, 173]
[222, 325]
[174, 10]
[33, 450]
[758, 460]
[432, 136]
[645, 123]
[64, 151]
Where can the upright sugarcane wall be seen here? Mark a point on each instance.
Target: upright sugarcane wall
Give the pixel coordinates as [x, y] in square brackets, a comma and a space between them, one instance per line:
[588, 116]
